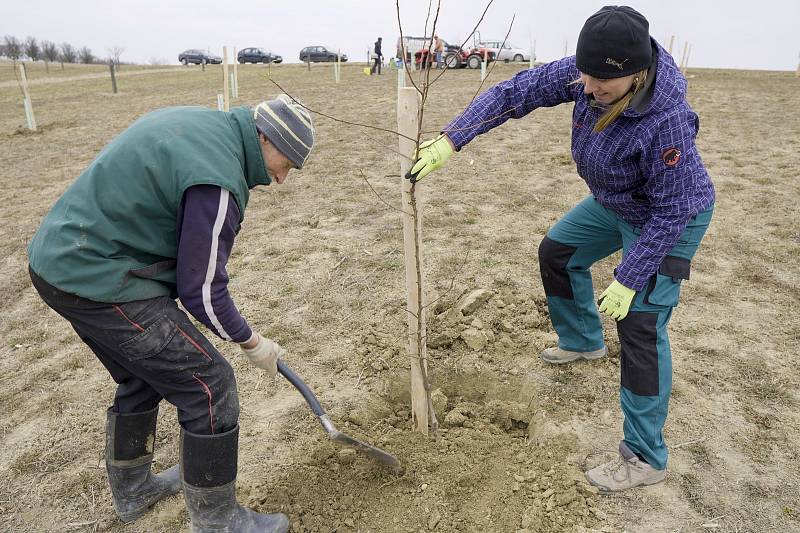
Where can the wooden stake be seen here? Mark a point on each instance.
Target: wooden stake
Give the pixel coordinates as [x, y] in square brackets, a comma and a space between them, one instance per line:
[408, 105]
[533, 53]
[686, 61]
[671, 42]
[26, 101]
[29, 118]
[113, 77]
[683, 54]
[338, 69]
[220, 102]
[225, 89]
[401, 79]
[235, 74]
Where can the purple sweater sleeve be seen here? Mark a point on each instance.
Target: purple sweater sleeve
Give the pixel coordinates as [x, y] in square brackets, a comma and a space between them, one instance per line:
[208, 220]
[544, 86]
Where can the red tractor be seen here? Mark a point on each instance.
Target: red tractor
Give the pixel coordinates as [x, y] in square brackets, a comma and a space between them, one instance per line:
[454, 56]
[478, 54]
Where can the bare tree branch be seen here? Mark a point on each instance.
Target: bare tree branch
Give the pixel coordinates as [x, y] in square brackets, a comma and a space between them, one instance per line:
[452, 282]
[387, 204]
[478, 23]
[389, 148]
[403, 47]
[368, 126]
[491, 119]
[511, 25]
[467, 39]
[478, 92]
[427, 73]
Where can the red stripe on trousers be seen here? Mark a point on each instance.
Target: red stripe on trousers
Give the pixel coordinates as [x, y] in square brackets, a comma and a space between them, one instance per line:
[134, 324]
[191, 340]
[208, 393]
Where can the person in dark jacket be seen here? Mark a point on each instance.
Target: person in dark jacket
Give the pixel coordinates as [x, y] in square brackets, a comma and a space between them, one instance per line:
[153, 218]
[377, 57]
[633, 140]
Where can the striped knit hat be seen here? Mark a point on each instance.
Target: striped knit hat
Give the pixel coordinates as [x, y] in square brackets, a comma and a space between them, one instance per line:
[287, 125]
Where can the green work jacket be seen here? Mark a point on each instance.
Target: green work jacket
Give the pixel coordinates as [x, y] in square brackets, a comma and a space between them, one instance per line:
[112, 236]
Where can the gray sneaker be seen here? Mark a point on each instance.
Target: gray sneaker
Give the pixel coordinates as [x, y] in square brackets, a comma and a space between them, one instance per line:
[558, 356]
[625, 472]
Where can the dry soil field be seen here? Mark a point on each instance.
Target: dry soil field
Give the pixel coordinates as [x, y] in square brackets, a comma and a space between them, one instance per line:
[318, 266]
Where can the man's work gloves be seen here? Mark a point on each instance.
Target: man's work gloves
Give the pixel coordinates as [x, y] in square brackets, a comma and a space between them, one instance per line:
[616, 300]
[432, 155]
[264, 354]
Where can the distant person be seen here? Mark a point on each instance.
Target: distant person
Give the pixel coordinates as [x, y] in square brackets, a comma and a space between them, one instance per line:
[377, 57]
[438, 48]
[633, 140]
[153, 218]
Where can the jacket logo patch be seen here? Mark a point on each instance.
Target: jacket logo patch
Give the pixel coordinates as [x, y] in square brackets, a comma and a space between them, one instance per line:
[618, 64]
[671, 156]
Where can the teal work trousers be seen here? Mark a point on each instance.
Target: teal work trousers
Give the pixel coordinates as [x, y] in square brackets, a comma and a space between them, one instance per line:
[586, 234]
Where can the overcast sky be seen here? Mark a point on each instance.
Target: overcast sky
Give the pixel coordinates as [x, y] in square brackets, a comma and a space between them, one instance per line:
[731, 34]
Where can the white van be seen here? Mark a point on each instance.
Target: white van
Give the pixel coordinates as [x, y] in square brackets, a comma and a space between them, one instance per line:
[508, 52]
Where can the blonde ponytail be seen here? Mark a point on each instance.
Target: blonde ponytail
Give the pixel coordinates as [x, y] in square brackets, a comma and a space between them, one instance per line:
[622, 104]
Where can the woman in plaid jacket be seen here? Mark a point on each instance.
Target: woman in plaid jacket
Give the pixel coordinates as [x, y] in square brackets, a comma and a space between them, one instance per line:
[633, 141]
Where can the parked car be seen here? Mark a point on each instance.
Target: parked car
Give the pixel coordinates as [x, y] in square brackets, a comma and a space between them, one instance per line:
[257, 55]
[507, 52]
[198, 57]
[317, 54]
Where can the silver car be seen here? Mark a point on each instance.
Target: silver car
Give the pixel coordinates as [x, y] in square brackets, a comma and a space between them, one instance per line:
[508, 52]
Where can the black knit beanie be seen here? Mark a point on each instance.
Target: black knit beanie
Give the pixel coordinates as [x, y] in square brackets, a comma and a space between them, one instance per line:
[614, 42]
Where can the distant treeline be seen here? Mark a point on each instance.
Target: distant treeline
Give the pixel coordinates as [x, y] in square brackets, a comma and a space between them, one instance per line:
[34, 50]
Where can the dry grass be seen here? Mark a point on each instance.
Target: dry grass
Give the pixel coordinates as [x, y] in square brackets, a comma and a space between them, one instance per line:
[318, 267]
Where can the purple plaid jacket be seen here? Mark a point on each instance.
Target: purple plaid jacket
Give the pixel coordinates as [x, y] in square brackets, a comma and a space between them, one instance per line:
[644, 166]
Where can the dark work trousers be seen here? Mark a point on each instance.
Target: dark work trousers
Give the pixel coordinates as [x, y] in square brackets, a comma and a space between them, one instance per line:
[376, 66]
[152, 351]
[586, 234]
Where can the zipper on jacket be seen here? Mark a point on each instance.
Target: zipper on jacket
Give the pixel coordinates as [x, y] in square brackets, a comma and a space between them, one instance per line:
[584, 140]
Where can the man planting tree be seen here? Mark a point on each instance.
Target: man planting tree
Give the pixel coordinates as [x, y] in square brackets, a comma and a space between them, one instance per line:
[153, 218]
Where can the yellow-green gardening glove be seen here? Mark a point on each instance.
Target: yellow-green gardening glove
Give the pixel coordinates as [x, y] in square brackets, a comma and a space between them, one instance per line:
[616, 300]
[432, 155]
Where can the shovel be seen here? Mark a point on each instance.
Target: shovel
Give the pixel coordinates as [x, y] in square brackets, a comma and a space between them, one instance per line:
[333, 433]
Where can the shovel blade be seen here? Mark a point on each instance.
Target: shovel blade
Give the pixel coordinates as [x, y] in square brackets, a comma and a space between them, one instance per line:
[376, 453]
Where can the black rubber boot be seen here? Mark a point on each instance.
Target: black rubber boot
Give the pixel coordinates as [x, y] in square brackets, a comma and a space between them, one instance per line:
[208, 467]
[129, 453]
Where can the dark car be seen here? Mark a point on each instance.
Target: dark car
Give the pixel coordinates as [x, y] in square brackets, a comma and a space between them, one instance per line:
[198, 57]
[257, 55]
[316, 54]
